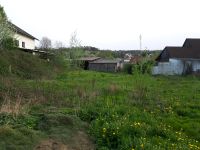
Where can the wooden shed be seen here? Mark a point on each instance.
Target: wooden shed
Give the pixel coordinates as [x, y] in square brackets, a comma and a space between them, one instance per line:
[85, 61]
[106, 65]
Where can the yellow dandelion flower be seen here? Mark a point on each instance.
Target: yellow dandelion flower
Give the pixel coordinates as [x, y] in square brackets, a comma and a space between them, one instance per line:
[104, 129]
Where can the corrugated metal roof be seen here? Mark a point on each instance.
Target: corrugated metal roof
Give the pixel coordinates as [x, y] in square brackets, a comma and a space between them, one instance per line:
[106, 61]
[190, 50]
[178, 52]
[191, 43]
[89, 58]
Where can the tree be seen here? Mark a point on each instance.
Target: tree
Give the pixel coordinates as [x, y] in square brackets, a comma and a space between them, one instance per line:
[75, 46]
[3, 16]
[45, 43]
[74, 41]
[6, 31]
[59, 45]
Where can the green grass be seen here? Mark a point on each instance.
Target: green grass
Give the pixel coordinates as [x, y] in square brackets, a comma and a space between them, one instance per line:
[18, 139]
[16, 63]
[119, 111]
[139, 111]
[126, 109]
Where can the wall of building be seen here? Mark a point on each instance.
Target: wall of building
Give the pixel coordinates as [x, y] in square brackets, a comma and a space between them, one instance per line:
[29, 43]
[105, 67]
[173, 67]
[177, 67]
[196, 65]
[120, 66]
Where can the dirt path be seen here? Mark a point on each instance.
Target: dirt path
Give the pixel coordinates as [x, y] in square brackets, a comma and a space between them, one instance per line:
[80, 141]
[51, 145]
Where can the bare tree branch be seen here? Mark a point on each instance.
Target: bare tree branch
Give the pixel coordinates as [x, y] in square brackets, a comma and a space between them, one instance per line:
[45, 43]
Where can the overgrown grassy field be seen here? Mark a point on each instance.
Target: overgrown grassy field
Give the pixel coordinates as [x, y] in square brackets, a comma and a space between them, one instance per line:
[118, 111]
[138, 111]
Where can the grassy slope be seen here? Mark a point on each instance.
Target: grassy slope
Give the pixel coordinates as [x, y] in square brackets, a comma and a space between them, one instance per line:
[15, 63]
[29, 98]
[124, 112]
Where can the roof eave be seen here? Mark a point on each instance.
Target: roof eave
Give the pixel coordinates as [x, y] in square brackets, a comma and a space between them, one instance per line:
[22, 32]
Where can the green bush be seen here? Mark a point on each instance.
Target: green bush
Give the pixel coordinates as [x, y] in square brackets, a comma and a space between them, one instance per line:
[128, 68]
[144, 67]
[8, 43]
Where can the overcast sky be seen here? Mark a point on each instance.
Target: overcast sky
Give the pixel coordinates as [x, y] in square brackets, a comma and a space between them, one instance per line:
[109, 24]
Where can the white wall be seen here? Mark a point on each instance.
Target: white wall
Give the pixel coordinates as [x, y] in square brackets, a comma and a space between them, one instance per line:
[29, 43]
[176, 67]
[173, 67]
[196, 65]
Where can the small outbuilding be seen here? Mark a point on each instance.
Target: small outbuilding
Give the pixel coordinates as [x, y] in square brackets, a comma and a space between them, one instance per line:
[179, 60]
[86, 60]
[106, 65]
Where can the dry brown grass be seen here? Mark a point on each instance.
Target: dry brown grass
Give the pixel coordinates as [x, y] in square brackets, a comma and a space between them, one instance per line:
[14, 106]
[81, 93]
[113, 88]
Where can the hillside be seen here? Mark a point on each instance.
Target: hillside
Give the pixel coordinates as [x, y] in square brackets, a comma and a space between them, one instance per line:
[30, 101]
[46, 103]
[19, 64]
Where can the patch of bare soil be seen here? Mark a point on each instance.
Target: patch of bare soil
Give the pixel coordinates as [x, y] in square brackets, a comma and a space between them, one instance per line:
[51, 145]
[79, 141]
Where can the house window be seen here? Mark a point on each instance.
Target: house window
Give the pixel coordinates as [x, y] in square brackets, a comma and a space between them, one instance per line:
[23, 44]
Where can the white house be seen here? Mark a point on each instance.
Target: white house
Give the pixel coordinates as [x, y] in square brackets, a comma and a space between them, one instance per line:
[179, 60]
[24, 40]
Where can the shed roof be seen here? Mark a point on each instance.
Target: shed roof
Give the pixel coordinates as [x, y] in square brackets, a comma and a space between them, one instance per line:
[106, 61]
[192, 43]
[178, 52]
[89, 58]
[22, 32]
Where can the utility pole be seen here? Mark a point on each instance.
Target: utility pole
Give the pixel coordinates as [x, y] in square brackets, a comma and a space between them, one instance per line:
[140, 37]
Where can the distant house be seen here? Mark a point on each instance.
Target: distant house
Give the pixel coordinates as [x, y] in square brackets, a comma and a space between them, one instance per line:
[24, 40]
[136, 59]
[106, 65]
[127, 57]
[179, 60]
